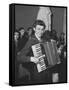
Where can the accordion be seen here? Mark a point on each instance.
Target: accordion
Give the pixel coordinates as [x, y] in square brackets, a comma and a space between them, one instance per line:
[50, 52]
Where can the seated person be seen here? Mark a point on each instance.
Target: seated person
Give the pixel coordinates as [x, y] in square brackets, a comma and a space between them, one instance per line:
[27, 58]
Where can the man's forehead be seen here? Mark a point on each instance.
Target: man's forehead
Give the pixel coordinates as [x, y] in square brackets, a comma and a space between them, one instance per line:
[16, 33]
[39, 26]
[21, 30]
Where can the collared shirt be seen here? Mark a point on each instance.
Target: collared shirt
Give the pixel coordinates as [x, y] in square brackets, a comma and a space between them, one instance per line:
[39, 39]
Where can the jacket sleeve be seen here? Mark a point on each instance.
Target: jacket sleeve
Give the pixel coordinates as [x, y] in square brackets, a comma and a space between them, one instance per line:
[22, 55]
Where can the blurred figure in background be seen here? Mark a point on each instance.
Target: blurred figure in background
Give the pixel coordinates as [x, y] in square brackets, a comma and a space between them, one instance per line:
[54, 71]
[16, 39]
[21, 31]
[63, 56]
[30, 32]
[54, 35]
[61, 39]
[61, 43]
[22, 39]
[46, 35]
[22, 72]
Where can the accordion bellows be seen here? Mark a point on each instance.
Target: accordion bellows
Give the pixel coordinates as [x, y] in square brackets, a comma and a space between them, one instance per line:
[51, 52]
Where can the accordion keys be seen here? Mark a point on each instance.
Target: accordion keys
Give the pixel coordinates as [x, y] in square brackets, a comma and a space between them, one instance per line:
[38, 54]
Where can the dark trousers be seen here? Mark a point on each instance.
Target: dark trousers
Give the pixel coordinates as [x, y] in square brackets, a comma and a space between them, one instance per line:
[41, 77]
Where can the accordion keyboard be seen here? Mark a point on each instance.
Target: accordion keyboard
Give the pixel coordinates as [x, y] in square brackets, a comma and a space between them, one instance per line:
[38, 54]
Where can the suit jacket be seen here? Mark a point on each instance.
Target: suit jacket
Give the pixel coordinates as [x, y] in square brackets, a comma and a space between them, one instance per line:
[25, 54]
[22, 41]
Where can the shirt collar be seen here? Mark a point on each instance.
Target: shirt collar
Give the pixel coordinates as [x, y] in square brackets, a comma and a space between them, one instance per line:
[39, 39]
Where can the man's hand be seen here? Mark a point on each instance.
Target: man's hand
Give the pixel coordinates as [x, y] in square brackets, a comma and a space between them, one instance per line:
[34, 59]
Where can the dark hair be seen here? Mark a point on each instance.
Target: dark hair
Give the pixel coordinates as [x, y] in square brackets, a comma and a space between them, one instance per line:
[62, 33]
[28, 30]
[46, 35]
[20, 28]
[53, 31]
[16, 31]
[39, 22]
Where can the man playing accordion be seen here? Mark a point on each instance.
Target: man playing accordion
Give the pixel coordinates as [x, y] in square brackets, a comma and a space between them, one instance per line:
[33, 56]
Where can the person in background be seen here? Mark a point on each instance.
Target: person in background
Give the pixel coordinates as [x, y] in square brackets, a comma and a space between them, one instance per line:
[54, 71]
[22, 73]
[61, 38]
[63, 57]
[61, 43]
[30, 32]
[61, 49]
[22, 39]
[16, 38]
[54, 35]
[46, 35]
[22, 31]
[63, 67]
